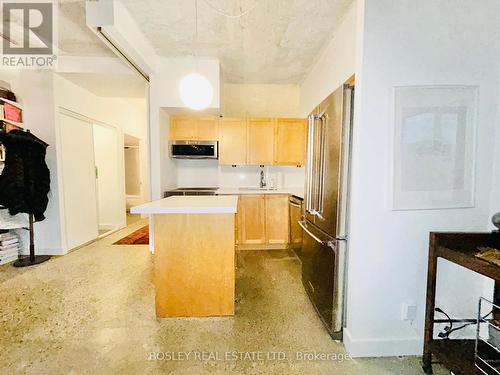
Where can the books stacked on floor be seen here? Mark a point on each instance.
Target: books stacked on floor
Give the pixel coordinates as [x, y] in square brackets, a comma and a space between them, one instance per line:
[9, 247]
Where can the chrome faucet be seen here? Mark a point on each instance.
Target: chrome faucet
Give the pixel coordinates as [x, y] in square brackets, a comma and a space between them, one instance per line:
[262, 180]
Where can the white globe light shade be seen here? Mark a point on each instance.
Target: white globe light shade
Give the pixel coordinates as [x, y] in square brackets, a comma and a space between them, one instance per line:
[196, 91]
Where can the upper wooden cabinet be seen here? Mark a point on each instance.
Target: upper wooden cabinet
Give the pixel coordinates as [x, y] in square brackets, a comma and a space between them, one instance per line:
[260, 141]
[206, 129]
[182, 128]
[193, 128]
[232, 141]
[290, 147]
[254, 141]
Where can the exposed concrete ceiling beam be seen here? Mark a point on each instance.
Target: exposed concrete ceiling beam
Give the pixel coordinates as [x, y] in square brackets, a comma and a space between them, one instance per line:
[111, 20]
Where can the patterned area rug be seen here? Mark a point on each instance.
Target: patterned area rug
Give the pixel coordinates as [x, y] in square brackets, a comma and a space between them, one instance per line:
[139, 237]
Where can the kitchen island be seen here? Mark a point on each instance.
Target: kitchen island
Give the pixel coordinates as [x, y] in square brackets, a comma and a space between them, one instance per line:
[193, 238]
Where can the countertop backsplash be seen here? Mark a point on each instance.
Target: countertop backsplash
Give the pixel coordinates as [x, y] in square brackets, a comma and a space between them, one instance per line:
[202, 173]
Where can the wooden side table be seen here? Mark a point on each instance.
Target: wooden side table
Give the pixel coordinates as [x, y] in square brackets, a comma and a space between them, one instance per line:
[459, 248]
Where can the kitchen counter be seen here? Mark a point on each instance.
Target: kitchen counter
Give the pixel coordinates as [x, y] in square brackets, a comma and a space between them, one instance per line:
[298, 192]
[223, 204]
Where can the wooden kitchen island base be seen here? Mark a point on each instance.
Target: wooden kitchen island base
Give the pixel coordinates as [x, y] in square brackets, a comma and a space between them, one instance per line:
[194, 264]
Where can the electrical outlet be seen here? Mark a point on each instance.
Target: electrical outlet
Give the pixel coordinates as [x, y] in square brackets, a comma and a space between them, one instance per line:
[408, 311]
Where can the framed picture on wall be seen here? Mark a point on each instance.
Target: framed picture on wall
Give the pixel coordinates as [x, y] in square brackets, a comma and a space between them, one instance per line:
[434, 147]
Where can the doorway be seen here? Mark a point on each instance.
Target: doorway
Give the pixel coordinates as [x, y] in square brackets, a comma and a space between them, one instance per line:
[133, 176]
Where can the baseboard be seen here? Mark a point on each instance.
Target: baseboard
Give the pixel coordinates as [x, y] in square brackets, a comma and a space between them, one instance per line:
[109, 232]
[107, 226]
[55, 252]
[382, 347]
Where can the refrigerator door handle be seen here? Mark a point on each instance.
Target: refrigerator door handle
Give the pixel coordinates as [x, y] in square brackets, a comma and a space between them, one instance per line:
[310, 153]
[322, 161]
[316, 238]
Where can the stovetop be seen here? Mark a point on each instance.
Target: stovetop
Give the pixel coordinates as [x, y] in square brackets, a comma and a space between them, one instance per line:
[191, 191]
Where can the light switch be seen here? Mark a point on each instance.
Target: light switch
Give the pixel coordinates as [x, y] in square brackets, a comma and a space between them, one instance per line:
[408, 311]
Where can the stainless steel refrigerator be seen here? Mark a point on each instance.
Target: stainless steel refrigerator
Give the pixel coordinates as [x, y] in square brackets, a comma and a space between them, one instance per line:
[324, 223]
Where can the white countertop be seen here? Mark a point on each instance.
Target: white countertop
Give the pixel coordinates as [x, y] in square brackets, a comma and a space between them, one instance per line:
[213, 204]
[299, 192]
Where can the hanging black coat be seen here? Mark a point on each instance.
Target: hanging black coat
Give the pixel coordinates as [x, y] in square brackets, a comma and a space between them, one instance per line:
[25, 180]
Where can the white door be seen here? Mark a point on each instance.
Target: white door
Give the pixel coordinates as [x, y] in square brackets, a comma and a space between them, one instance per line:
[109, 186]
[79, 180]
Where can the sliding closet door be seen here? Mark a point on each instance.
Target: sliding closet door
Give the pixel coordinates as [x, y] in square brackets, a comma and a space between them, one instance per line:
[79, 180]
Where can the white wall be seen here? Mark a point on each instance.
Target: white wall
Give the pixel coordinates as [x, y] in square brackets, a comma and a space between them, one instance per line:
[168, 166]
[335, 65]
[429, 42]
[34, 90]
[495, 196]
[254, 100]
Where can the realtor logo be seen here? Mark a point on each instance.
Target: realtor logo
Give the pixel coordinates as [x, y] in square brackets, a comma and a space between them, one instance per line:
[28, 34]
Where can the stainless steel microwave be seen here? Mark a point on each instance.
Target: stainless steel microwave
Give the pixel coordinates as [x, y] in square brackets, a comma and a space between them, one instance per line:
[194, 149]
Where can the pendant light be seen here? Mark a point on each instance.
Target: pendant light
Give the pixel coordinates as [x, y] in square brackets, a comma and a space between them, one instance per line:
[195, 90]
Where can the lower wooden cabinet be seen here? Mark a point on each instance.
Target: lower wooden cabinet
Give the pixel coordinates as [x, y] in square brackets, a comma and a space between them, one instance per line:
[263, 221]
[277, 228]
[251, 220]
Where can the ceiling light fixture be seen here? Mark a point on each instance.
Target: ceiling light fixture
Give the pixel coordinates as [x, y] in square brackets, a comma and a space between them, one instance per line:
[195, 90]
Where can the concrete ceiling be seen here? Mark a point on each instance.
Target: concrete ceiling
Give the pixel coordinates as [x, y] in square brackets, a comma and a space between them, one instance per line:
[276, 42]
[75, 38]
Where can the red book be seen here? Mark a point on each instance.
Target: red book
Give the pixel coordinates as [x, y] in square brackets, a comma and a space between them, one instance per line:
[11, 112]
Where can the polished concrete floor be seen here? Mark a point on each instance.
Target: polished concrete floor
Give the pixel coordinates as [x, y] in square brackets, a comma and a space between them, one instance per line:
[92, 312]
[132, 219]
